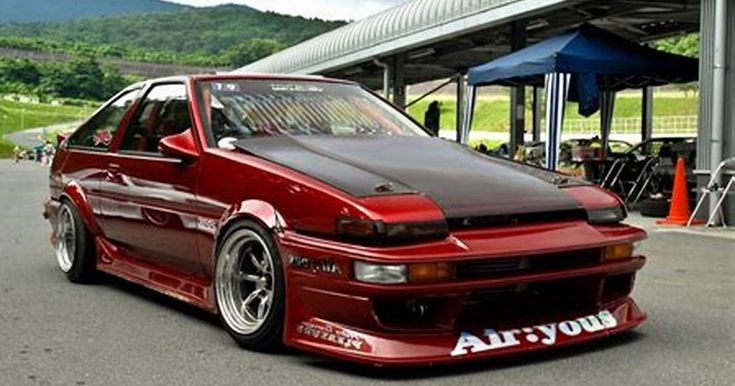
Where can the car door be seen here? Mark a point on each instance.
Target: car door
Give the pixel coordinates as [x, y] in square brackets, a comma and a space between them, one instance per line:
[156, 221]
[89, 152]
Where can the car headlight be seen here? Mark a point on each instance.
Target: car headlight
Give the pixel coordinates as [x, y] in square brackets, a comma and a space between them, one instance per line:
[381, 273]
[378, 232]
[401, 273]
[612, 215]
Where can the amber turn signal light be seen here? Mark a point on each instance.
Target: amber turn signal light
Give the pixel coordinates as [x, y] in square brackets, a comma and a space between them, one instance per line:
[426, 272]
[617, 252]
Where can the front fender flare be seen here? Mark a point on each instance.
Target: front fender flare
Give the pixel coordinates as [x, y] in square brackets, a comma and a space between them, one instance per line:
[259, 211]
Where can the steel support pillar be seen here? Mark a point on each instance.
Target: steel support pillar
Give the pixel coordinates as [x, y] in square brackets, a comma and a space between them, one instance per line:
[517, 94]
[461, 102]
[647, 113]
[537, 92]
[716, 132]
[398, 81]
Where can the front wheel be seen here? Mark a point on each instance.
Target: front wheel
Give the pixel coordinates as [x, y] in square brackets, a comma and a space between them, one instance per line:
[249, 287]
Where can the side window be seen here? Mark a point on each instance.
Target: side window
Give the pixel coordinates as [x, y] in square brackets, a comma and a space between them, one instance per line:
[163, 112]
[99, 131]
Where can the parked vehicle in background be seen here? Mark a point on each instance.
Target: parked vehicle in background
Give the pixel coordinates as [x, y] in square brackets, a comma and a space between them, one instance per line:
[310, 212]
[646, 172]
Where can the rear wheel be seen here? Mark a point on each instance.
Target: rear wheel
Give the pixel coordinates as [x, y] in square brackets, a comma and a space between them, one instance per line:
[249, 287]
[74, 247]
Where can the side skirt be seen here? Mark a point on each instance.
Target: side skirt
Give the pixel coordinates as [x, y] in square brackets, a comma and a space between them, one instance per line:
[186, 288]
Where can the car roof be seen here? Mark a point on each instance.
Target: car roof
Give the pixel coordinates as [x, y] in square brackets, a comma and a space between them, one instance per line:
[237, 76]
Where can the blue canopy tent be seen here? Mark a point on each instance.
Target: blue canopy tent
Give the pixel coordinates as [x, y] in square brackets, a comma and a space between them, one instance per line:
[587, 65]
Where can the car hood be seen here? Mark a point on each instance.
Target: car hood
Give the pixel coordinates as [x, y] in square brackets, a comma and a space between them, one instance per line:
[461, 181]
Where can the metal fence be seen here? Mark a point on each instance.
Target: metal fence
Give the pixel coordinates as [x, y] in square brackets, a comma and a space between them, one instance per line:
[673, 124]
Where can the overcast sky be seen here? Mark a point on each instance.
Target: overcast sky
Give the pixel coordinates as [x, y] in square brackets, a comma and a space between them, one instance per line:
[324, 9]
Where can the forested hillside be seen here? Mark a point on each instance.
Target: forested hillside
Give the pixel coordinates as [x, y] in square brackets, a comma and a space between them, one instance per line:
[19, 11]
[228, 35]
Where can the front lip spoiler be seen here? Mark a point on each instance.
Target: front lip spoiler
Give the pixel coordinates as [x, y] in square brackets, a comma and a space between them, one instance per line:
[423, 349]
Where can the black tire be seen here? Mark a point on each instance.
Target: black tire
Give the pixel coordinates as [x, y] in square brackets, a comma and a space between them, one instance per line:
[654, 208]
[268, 336]
[80, 268]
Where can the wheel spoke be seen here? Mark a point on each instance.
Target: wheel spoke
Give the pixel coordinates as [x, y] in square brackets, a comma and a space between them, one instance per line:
[266, 266]
[257, 263]
[242, 276]
[251, 278]
[251, 298]
[263, 305]
[244, 310]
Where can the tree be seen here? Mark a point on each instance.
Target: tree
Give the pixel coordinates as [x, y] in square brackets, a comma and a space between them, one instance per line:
[112, 81]
[251, 50]
[86, 79]
[686, 45]
[22, 71]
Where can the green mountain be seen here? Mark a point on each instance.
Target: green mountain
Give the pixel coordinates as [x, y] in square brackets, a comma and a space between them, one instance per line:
[20, 11]
[228, 35]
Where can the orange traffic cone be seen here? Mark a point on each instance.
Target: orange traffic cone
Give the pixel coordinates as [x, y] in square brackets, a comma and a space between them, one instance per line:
[679, 211]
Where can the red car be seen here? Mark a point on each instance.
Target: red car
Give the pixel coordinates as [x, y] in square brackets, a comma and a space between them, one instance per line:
[310, 212]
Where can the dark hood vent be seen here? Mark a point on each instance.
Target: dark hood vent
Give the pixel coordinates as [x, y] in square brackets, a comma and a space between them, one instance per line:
[470, 222]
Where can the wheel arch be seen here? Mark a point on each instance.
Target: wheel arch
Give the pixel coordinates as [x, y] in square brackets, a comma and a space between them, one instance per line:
[258, 211]
[75, 194]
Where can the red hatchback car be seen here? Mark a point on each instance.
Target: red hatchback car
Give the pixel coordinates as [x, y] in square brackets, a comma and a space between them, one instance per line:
[310, 212]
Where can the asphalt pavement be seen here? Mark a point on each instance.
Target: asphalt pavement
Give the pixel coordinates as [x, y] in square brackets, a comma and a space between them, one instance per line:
[53, 332]
[26, 138]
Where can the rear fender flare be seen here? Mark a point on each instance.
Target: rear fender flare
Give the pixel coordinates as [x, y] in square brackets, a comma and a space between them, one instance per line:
[75, 194]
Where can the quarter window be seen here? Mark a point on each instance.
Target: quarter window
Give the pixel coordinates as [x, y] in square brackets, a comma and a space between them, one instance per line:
[99, 131]
[163, 112]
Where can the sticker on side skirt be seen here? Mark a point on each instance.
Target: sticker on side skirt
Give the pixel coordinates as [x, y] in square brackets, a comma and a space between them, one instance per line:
[545, 334]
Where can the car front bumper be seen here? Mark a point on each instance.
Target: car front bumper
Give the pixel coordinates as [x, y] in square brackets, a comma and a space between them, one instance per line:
[330, 313]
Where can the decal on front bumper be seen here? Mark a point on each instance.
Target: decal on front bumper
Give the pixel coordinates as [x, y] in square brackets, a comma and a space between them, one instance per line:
[543, 335]
[333, 335]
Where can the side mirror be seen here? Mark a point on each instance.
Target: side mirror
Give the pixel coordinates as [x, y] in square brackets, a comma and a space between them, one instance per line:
[181, 146]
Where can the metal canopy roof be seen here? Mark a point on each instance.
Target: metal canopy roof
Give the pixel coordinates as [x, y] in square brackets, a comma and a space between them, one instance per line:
[438, 38]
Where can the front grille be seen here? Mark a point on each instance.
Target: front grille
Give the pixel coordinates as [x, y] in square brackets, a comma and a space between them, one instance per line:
[469, 222]
[537, 302]
[490, 268]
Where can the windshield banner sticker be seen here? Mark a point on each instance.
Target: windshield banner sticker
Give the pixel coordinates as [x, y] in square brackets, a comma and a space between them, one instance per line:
[546, 334]
[293, 87]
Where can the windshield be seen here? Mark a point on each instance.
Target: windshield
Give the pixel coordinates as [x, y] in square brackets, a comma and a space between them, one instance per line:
[239, 109]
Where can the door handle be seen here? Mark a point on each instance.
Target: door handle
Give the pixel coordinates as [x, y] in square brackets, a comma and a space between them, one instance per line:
[112, 171]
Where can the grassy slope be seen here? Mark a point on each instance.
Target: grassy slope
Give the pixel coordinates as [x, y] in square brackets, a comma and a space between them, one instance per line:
[492, 114]
[16, 116]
